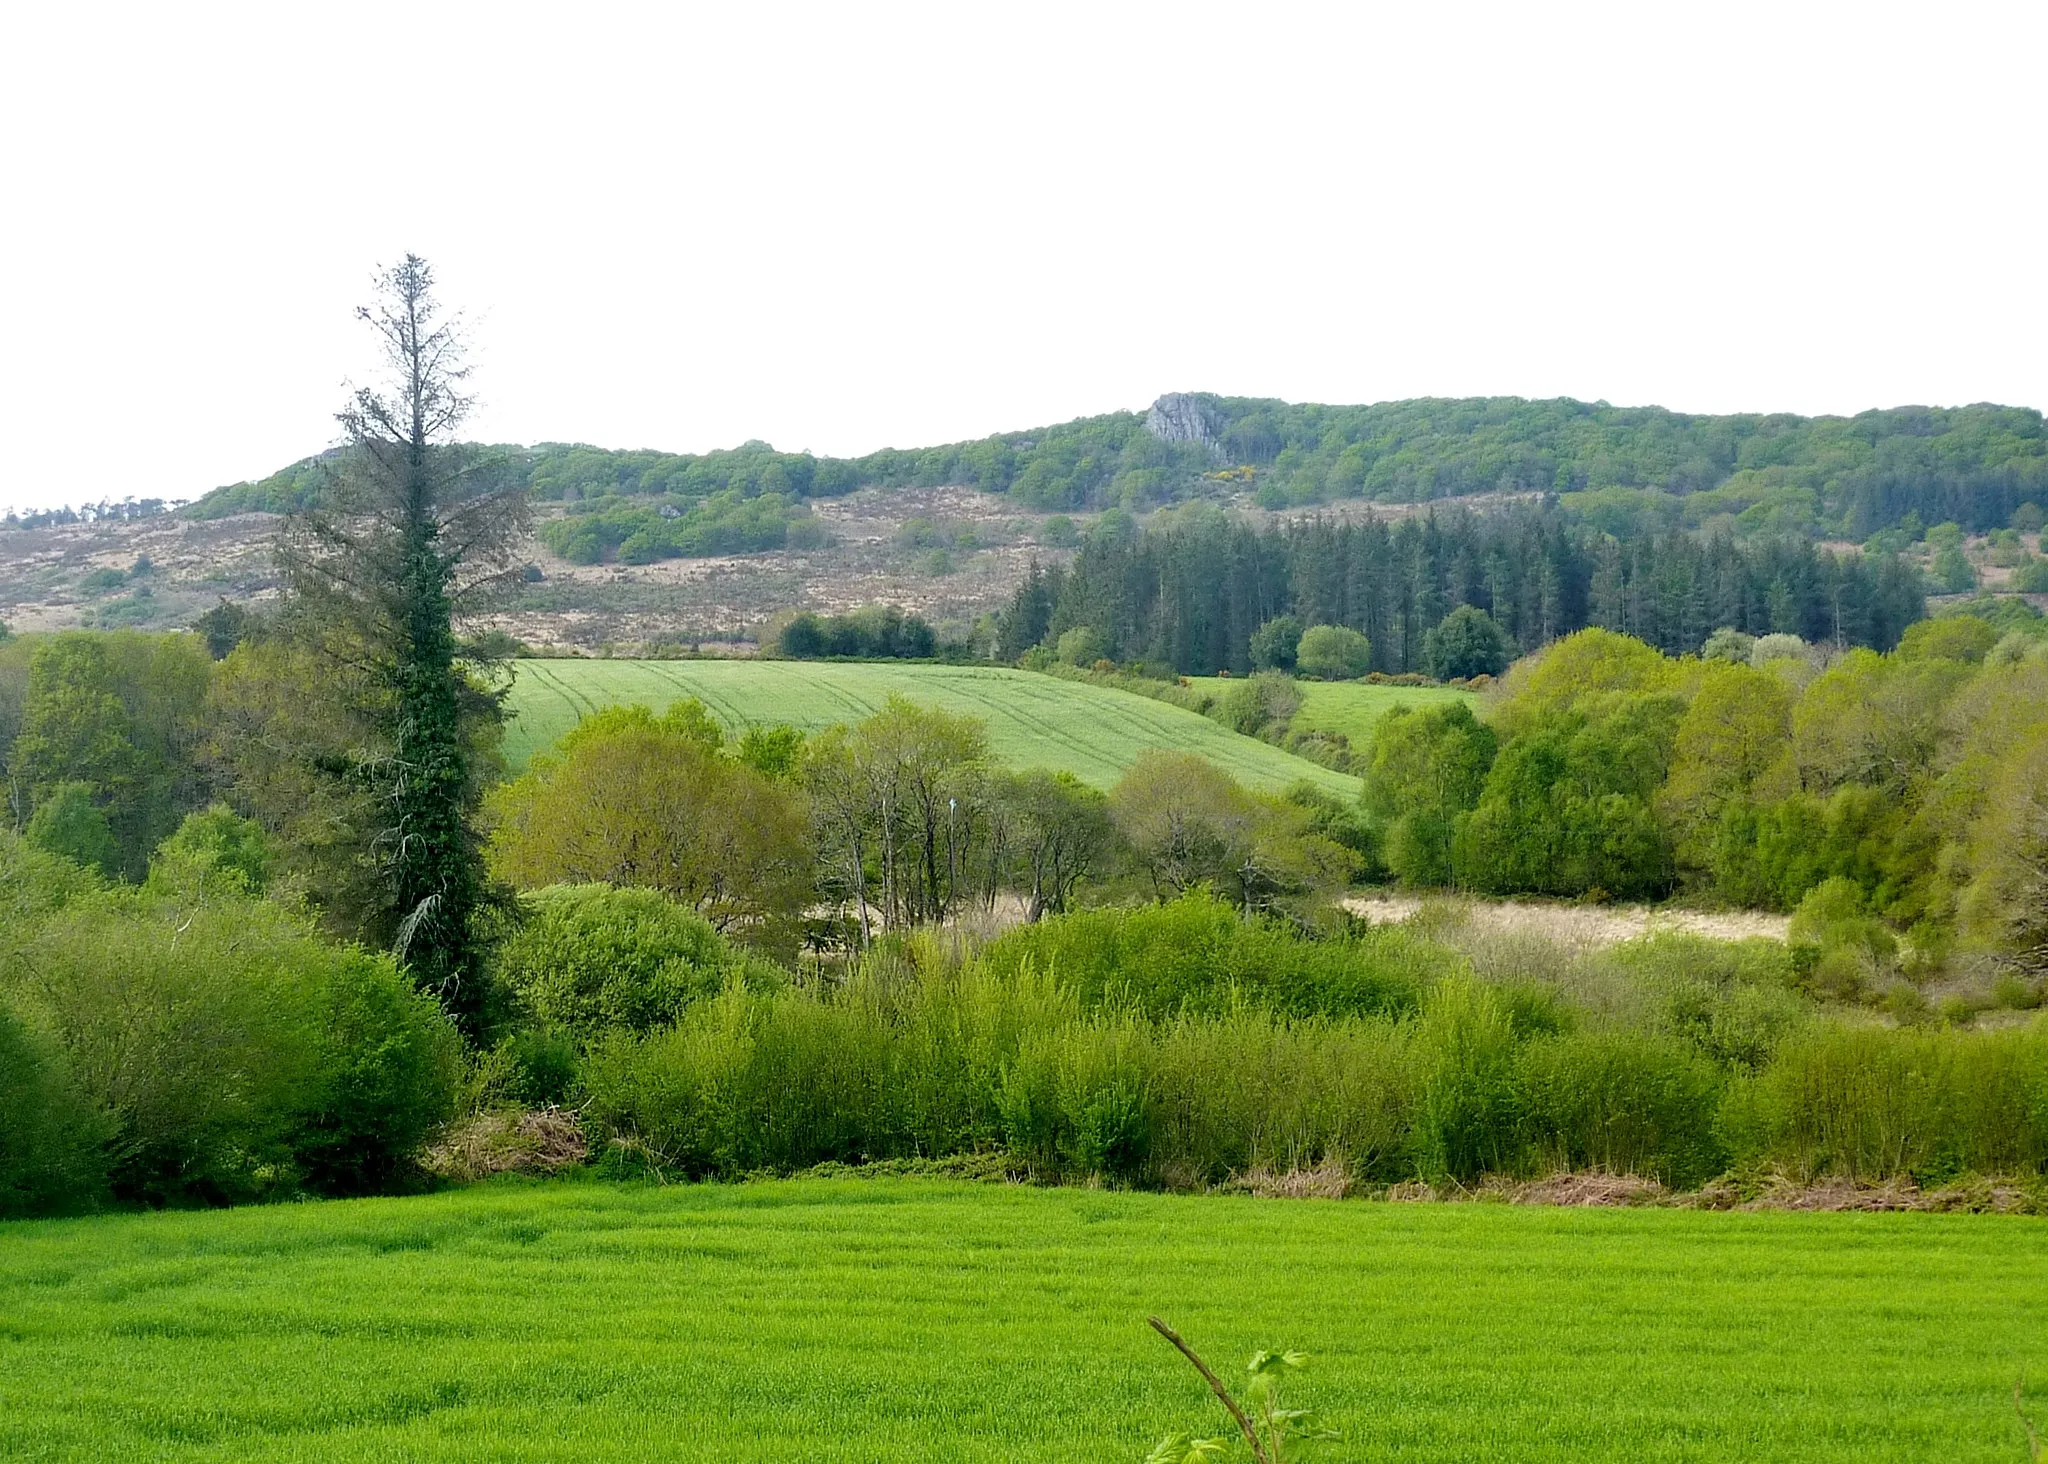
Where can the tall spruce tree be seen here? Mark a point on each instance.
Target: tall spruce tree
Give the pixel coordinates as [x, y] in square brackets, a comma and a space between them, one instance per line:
[413, 530]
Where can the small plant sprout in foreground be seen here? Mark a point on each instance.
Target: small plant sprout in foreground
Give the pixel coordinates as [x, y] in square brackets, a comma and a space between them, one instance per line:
[1276, 1434]
[2019, 1406]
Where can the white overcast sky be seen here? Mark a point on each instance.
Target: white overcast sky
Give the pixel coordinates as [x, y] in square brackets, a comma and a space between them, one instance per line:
[851, 226]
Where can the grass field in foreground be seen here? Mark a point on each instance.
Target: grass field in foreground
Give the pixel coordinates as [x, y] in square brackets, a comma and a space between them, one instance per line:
[1091, 731]
[891, 1319]
[1351, 707]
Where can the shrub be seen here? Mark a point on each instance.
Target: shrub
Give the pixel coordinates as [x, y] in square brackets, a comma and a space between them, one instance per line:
[1777, 647]
[1949, 638]
[589, 957]
[1872, 1103]
[1247, 1090]
[1197, 954]
[1267, 700]
[1275, 644]
[1074, 1101]
[233, 1053]
[1469, 1112]
[1084, 645]
[387, 1068]
[1622, 1102]
[1333, 653]
[50, 1155]
[1833, 917]
[1465, 643]
[213, 844]
[1728, 644]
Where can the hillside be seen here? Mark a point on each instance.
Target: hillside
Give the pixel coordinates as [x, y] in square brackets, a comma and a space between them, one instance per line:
[1833, 476]
[634, 549]
[1093, 732]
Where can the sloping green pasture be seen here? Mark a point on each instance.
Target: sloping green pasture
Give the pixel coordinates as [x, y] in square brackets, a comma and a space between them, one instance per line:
[890, 1319]
[1094, 732]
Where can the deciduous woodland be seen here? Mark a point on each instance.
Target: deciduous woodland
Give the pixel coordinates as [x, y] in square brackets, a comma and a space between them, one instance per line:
[282, 919]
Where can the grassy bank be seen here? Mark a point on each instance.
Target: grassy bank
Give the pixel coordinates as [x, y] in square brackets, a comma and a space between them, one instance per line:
[907, 1319]
[1351, 708]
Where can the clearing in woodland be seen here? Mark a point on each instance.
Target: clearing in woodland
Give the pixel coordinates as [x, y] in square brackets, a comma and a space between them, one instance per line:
[909, 1319]
[1094, 732]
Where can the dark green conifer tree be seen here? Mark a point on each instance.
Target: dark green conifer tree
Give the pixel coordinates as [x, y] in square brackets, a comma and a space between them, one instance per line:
[416, 530]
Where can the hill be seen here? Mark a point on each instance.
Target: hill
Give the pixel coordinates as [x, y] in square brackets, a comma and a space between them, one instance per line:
[1091, 731]
[882, 1319]
[1820, 476]
[637, 549]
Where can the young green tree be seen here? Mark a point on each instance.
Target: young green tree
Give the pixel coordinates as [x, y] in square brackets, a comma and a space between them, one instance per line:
[1056, 829]
[1276, 643]
[415, 530]
[1428, 767]
[1333, 653]
[630, 798]
[1467, 642]
[1190, 824]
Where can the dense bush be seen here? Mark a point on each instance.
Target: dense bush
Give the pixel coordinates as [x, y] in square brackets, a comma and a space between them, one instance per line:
[1621, 1102]
[221, 1050]
[50, 1137]
[586, 958]
[875, 632]
[1873, 1103]
[1196, 954]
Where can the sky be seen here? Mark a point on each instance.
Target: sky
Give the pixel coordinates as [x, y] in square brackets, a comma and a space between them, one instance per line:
[839, 228]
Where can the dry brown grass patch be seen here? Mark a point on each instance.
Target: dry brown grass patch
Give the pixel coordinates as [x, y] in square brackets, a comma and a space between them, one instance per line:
[509, 1141]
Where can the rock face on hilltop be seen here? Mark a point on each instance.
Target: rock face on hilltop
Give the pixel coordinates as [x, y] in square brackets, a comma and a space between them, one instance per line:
[1181, 417]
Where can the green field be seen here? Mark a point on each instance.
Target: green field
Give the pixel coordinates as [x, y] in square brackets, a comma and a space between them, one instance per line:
[891, 1319]
[1091, 731]
[1350, 707]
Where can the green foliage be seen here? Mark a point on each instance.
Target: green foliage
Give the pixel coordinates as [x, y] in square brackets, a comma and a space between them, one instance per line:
[635, 799]
[1467, 643]
[414, 529]
[1622, 1103]
[1728, 644]
[874, 632]
[1276, 645]
[588, 958]
[216, 843]
[1267, 701]
[1567, 805]
[1275, 1433]
[1333, 653]
[1874, 1104]
[1948, 638]
[68, 823]
[120, 713]
[1196, 954]
[1189, 825]
[642, 531]
[1429, 766]
[49, 1144]
[1082, 646]
[1951, 571]
[388, 1064]
[225, 1052]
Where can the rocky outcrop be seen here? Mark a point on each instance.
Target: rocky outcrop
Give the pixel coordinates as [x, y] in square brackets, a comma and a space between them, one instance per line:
[1183, 417]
